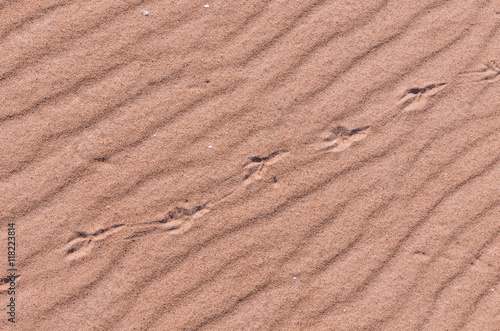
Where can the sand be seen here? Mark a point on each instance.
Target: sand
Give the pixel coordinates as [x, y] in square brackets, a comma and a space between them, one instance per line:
[250, 165]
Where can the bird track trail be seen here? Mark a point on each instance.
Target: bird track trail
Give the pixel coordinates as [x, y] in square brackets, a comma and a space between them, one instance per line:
[334, 139]
[179, 219]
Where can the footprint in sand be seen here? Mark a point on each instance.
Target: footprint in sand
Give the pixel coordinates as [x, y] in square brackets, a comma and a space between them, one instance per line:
[334, 140]
[416, 99]
[177, 221]
[180, 219]
[81, 243]
[174, 222]
[487, 72]
[339, 139]
[256, 167]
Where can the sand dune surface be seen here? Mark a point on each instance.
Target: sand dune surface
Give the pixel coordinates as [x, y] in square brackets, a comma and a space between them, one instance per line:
[250, 165]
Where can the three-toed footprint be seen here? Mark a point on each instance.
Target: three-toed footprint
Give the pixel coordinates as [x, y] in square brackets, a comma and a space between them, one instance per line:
[418, 98]
[176, 221]
[339, 139]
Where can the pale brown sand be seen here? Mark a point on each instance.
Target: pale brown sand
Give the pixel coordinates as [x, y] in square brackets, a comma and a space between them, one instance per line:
[254, 165]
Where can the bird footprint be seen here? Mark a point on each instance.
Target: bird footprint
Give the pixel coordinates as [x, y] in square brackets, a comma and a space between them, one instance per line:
[174, 222]
[489, 72]
[339, 139]
[81, 243]
[417, 98]
[256, 166]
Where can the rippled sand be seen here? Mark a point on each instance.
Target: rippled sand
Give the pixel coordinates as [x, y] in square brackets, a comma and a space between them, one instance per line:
[251, 165]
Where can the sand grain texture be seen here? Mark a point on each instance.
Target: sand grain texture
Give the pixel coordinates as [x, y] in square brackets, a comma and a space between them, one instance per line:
[253, 165]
